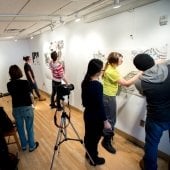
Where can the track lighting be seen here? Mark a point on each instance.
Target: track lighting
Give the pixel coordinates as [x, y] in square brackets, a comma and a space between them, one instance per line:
[61, 20]
[116, 4]
[77, 18]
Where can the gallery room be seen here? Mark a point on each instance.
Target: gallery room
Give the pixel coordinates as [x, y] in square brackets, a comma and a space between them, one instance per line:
[30, 31]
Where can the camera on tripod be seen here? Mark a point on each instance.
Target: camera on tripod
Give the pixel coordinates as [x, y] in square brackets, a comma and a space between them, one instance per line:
[64, 89]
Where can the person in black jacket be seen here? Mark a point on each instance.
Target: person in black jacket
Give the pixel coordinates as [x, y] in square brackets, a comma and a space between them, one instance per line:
[20, 92]
[155, 86]
[94, 115]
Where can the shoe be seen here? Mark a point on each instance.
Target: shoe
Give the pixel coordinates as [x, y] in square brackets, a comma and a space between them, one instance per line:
[53, 106]
[36, 146]
[141, 164]
[33, 106]
[97, 160]
[35, 97]
[24, 149]
[107, 145]
[42, 98]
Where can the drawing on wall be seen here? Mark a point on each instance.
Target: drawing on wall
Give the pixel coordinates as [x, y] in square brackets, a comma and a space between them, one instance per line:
[131, 89]
[35, 58]
[54, 46]
[99, 55]
[155, 52]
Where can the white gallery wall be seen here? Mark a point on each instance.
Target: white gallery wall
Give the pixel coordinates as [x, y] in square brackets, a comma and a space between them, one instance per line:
[137, 29]
[11, 52]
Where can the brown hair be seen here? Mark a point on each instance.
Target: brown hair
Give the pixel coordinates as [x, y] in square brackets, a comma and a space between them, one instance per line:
[15, 72]
[26, 58]
[113, 58]
[54, 55]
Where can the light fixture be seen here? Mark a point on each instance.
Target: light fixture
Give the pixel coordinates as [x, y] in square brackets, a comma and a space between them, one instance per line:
[77, 18]
[52, 25]
[31, 37]
[61, 20]
[116, 4]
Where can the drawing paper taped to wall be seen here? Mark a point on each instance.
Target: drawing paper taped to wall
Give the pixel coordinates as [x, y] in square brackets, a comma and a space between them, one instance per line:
[158, 53]
[155, 52]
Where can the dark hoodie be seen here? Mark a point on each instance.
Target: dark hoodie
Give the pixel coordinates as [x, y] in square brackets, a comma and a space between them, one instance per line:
[155, 86]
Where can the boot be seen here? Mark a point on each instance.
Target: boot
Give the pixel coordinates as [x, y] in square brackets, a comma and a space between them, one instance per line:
[97, 160]
[106, 142]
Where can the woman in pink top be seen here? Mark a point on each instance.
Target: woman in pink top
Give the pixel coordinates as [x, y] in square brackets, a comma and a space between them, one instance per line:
[58, 75]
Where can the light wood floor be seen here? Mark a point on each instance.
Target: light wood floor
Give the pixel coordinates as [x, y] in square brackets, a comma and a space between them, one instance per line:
[71, 153]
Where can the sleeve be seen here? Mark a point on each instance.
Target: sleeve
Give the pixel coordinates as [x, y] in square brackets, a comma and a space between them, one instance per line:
[99, 100]
[139, 86]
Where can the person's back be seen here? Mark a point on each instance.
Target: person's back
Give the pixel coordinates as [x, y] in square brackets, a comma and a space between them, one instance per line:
[154, 85]
[22, 110]
[20, 91]
[157, 92]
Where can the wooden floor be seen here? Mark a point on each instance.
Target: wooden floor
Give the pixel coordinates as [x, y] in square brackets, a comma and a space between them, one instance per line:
[71, 153]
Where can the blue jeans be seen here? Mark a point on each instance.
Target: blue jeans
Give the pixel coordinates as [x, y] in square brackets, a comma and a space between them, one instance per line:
[24, 117]
[154, 131]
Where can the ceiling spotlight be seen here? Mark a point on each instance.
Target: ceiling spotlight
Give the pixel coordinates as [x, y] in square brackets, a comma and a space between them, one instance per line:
[116, 4]
[31, 37]
[77, 18]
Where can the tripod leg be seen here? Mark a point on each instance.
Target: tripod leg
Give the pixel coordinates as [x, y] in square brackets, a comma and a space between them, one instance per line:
[76, 132]
[57, 145]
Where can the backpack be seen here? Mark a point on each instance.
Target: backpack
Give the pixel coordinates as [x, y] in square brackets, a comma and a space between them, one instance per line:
[5, 122]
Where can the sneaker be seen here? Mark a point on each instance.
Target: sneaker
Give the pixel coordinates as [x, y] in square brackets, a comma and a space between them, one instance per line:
[42, 98]
[36, 146]
[24, 149]
[35, 97]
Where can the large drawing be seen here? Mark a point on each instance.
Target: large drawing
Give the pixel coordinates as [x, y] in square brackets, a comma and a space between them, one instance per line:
[155, 52]
[54, 46]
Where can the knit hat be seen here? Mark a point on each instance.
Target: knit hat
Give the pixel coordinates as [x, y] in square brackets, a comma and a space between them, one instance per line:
[143, 62]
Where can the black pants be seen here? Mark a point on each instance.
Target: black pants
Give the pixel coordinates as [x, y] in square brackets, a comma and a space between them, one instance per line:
[54, 92]
[93, 133]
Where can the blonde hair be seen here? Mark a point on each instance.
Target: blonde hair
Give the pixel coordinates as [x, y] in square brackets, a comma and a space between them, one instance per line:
[113, 58]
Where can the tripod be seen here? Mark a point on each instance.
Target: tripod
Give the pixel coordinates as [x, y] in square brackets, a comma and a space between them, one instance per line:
[62, 131]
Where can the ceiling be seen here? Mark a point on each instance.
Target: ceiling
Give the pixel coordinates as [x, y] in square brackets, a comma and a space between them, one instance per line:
[21, 19]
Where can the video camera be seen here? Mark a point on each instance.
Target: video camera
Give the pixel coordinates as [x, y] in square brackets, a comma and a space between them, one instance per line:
[64, 89]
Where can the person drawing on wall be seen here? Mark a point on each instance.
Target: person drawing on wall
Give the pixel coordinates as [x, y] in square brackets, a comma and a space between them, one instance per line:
[111, 78]
[154, 85]
[20, 91]
[94, 114]
[31, 78]
[58, 75]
